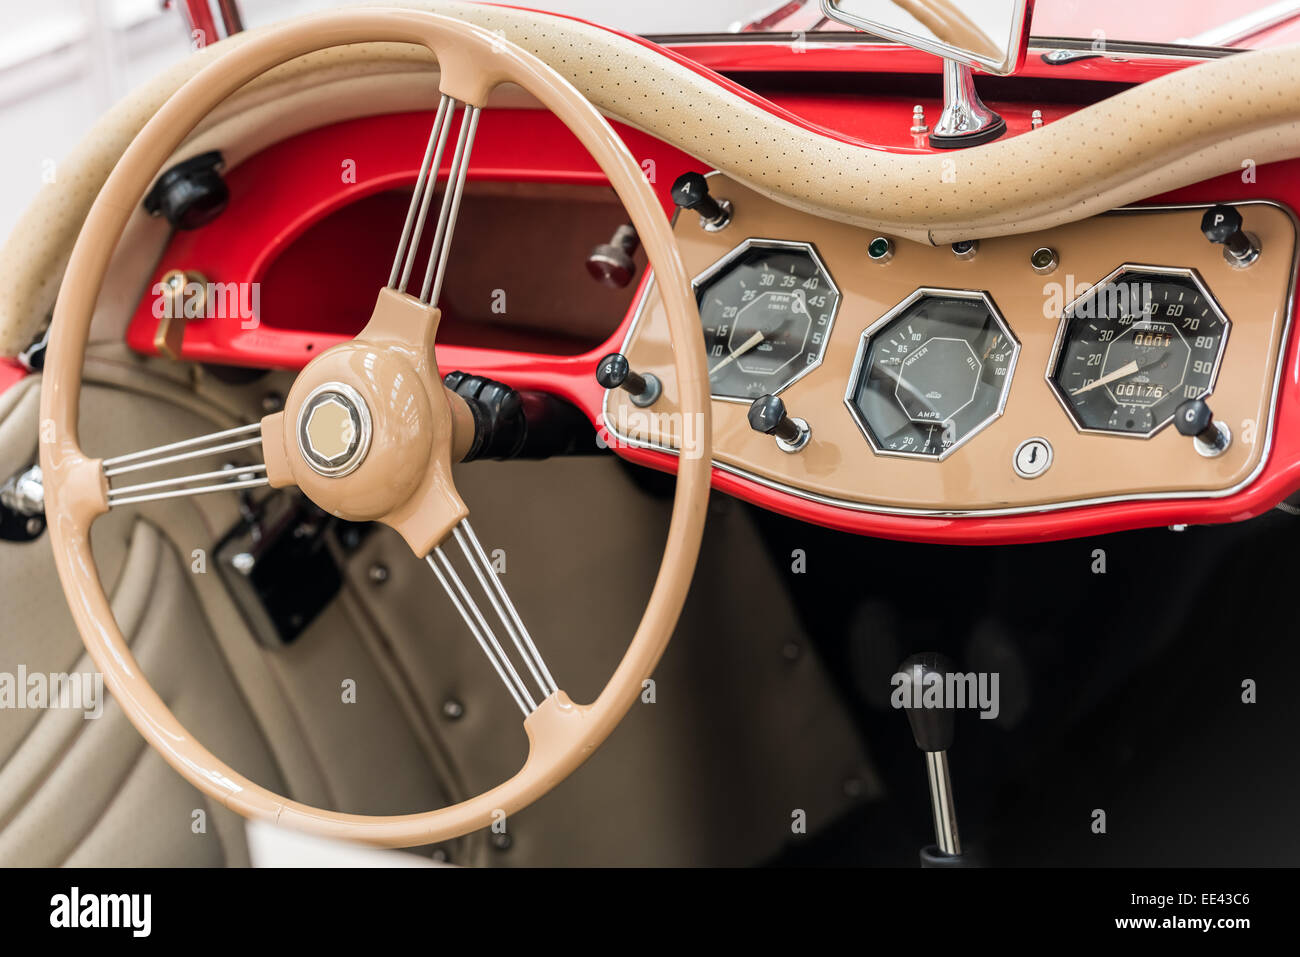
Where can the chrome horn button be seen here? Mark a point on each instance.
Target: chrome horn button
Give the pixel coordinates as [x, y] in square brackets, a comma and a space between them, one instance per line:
[334, 429]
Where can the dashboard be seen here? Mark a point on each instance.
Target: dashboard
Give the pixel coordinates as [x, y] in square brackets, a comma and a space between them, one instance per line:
[887, 451]
[1018, 374]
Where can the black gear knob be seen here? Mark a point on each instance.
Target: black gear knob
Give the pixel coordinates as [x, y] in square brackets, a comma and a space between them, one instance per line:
[932, 728]
[1222, 225]
[922, 683]
[691, 191]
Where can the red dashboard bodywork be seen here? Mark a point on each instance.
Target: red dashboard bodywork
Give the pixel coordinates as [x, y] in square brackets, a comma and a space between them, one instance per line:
[282, 192]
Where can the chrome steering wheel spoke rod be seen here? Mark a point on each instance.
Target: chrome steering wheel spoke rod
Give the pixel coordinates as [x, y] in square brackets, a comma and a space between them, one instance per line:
[228, 478]
[507, 615]
[426, 182]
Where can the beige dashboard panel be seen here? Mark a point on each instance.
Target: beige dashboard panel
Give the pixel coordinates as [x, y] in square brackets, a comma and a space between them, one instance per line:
[839, 465]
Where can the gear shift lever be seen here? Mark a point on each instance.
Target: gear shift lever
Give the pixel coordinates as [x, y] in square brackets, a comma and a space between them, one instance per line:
[933, 730]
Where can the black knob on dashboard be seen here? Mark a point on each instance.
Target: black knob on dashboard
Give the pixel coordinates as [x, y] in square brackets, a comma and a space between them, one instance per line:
[767, 415]
[691, 191]
[614, 372]
[190, 194]
[1222, 225]
[1194, 419]
[611, 263]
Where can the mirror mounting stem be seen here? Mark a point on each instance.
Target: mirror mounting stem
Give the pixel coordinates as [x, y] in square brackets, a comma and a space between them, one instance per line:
[965, 120]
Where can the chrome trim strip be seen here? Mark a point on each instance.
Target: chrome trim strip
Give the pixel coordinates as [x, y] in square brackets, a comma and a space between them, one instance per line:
[1246, 25]
[1026, 509]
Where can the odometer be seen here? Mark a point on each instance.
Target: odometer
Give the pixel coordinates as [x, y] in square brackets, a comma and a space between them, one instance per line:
[767, 308]
[1135, 346]
[931, 373]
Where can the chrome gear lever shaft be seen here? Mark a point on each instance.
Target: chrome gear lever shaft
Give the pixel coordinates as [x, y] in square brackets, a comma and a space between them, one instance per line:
[932, 728]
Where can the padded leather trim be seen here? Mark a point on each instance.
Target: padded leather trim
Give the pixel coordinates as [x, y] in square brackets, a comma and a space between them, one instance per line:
[1175, 130]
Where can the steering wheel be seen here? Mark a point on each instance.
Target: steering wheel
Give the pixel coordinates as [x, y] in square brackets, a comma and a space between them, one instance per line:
[368, 431]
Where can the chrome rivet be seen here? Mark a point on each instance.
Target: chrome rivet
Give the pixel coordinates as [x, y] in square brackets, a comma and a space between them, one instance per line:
[453, 710]
[1036, 120]
[272, 402]
[244, 563]
[377, 573]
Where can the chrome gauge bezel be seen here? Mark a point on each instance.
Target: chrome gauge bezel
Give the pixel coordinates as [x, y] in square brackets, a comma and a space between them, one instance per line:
[781, 244]
[1067, 314]
[859, 368]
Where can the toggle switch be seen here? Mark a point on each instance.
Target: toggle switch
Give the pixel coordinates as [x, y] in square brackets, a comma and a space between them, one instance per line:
[1193, 418]
[614, 372]
[611, 263]
[767, 415]
[691, 191]
[1222, 224]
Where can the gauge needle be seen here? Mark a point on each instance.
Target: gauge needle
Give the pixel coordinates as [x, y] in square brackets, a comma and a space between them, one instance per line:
[898, 378]
[1119, 373]
[748, 344]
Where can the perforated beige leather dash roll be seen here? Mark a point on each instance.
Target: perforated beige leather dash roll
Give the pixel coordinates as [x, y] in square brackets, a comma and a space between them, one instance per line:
[1169, 132]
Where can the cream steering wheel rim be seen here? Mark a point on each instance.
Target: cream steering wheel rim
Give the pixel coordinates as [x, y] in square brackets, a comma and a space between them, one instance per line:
[561, 734]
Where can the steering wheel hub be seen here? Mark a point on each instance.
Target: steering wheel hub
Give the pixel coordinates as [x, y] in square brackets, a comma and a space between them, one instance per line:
[360, 426]
[334, 429]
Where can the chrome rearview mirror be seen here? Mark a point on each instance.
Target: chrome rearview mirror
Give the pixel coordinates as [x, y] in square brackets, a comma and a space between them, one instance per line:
[987, 35]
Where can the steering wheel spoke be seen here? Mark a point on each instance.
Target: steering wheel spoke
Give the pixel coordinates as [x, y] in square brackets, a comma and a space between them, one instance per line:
[422, 198]
[507, 616]
[124, 488]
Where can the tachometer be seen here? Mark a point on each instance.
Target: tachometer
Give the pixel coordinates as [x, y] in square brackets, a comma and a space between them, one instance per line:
[931, 373]
[1135, 346]
[767, 309]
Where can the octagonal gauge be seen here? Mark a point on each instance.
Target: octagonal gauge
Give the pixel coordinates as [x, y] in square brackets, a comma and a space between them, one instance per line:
[931, 373]
[767, 308]
[1134, 346]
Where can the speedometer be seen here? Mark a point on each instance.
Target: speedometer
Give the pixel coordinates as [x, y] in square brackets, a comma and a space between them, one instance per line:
[1134, 347]
[767, 308]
